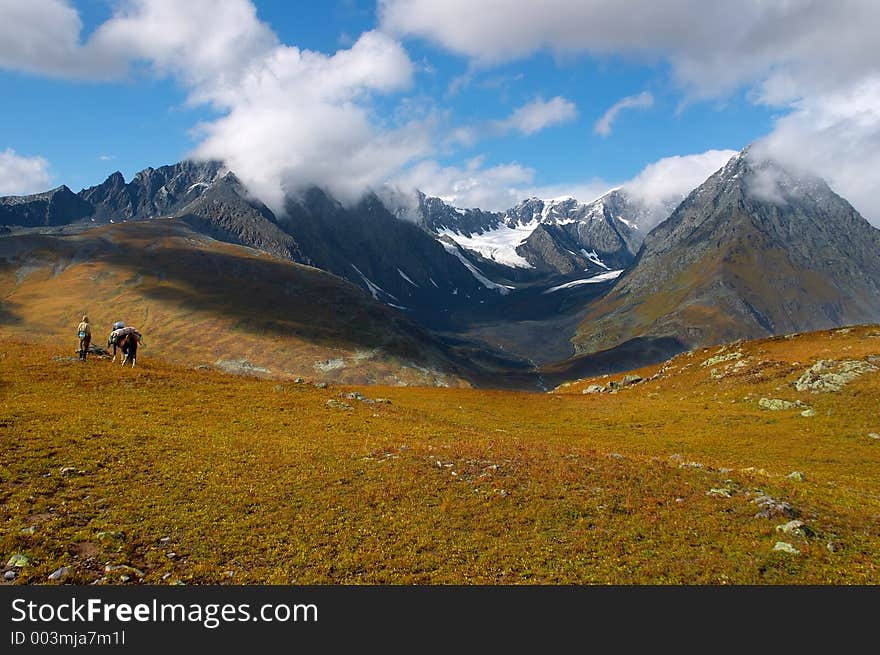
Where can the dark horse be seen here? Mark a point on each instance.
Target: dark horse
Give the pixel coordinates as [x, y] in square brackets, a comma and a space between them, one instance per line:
[128, 344]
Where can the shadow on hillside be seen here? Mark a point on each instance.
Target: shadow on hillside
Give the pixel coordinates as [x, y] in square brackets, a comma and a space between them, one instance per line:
[632, 354]
[271, 297]
[8, 315]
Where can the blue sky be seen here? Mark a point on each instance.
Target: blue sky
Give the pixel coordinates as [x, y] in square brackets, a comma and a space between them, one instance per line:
[432, 87]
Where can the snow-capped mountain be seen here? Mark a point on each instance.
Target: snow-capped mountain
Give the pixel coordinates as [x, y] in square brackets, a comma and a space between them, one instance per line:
[560, 236]
[755, 250]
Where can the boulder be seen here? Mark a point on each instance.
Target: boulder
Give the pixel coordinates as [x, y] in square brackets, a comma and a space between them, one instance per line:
[785, 547]
[771, 507]
[123, 569]
[17, 561]
[776, 404]
[797, 528]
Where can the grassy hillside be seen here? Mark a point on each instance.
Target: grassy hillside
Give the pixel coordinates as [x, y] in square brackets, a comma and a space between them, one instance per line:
[200, 477]
[201, 302]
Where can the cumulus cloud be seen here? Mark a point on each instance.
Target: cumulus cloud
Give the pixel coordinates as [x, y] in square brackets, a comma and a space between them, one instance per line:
[300, 118]
[22, 175]
[539, 114]
[43, 36]
[288, 117]
[641, 101]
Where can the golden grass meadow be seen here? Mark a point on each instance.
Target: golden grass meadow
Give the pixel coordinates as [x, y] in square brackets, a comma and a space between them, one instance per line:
[168, 474]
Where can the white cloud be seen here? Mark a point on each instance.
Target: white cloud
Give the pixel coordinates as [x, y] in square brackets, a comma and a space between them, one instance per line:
[289, 117]
[22, 175]
[835, 136]
[298, 118]
[713, 46]
[493, 188]
[582, 191]
[43, 36]
[641, 101]
[539, 114]
[660, 186]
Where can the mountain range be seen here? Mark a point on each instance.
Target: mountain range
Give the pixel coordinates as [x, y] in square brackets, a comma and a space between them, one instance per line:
[557, 287]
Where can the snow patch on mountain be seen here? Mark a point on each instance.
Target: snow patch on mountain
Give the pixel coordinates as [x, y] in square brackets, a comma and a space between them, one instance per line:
[498, 245]
[375, 289]
[602, 277]
[593, 256]
[406, 277]
[452, 249]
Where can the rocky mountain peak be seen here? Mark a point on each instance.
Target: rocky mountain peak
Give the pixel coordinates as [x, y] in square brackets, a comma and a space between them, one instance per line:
[758, 249]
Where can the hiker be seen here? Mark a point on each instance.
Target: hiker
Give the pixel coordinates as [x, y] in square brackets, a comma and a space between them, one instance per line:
[84, 332]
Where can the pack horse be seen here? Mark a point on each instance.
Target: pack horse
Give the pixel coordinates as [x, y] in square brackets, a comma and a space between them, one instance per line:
[125, 339]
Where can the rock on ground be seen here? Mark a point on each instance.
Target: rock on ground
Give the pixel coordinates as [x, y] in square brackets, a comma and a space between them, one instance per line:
[830, 375]
[776, 404]
[785, 547]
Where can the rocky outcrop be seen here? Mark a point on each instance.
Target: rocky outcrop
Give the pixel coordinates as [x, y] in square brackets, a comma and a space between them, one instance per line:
[829, 375]
[59, 206]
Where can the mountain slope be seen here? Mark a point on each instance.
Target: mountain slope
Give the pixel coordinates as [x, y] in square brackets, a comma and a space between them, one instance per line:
[756, 250]
[225, 211]
[200, 301]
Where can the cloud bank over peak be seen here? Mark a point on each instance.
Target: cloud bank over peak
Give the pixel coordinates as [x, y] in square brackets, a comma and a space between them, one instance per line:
[287, 117]
[658, 187]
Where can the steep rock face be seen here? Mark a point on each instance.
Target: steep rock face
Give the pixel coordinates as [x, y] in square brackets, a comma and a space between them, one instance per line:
[152, 192]
[51, 208]
[396, 260]
[550, 248]
[604, 227]
[224, 211]
[437, 216]
[756, 250]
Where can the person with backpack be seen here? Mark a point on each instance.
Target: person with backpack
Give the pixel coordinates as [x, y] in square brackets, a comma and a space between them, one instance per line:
[84, 332]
